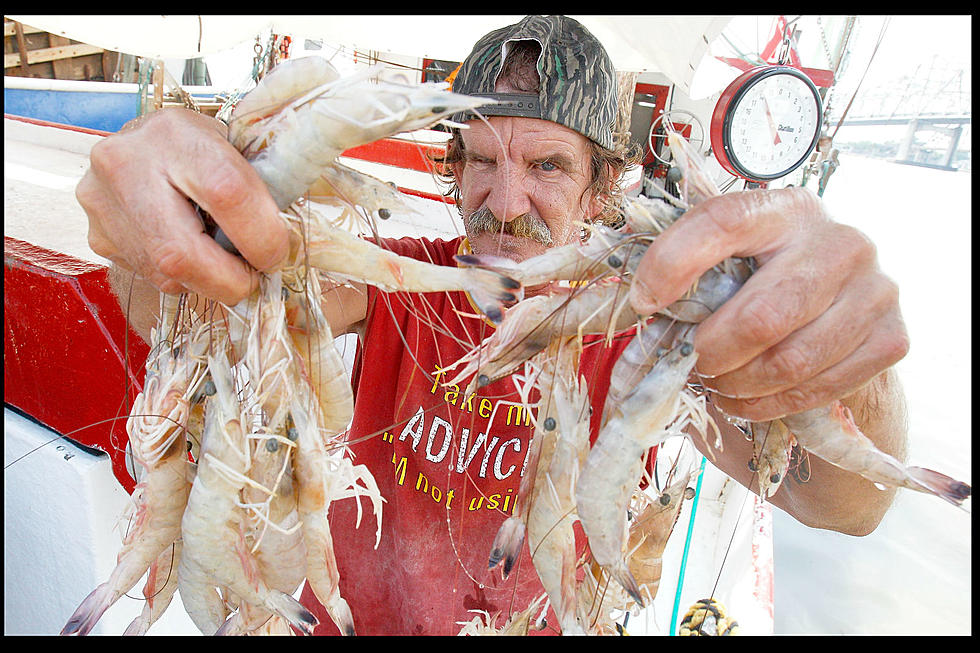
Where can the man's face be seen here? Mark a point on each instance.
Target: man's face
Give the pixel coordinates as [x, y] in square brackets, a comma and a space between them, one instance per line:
[530, 176]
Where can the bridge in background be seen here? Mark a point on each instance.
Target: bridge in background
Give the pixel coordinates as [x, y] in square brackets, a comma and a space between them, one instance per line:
[950, 126]
[934, 98]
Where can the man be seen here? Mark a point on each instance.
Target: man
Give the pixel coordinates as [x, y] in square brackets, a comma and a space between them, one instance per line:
[817, 322]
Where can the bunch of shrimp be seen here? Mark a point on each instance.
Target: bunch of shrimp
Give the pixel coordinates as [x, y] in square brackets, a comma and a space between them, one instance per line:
[649, 397]
[261, 384]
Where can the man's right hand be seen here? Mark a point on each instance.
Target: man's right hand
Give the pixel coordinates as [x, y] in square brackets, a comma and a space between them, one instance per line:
[136, 194]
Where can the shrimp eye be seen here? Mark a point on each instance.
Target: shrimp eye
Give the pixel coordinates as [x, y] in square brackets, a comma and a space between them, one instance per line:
[272, 445]
[438, 109]
[665, 499]
[689, 493]
[686, 349]
[753, 466]
[384, 214]
[614, 261]
[209, 388]
[774, 478]
[549, 424]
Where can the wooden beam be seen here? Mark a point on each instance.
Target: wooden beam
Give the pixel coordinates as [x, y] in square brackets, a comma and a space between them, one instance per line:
[51, 54]
[61, 67]
[21, 49]
[10, 28]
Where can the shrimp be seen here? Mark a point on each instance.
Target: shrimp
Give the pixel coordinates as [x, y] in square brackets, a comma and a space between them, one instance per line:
[322, 476]
[649, 530]
[321, 365]
[545, 505]
[268, 354]
[772, 443]
[636, 360]
[273, 529]
[606, 253]
[348, 257]
[281, 85]
[290, 147]
[215, 552]
[614, 465]
[358, 190]
[533, 323]
[831, 434]
[563, 428]
[174, 372]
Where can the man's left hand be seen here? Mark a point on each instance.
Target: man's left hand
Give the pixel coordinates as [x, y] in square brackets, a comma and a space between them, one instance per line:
[815, 322]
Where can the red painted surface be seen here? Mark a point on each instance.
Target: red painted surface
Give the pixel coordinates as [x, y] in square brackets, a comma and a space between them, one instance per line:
[399, 153]
[660, 93]
[821, 77]
[66, 349]
[48, 123]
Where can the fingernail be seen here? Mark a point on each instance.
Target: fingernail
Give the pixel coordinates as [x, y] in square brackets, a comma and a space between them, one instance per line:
[641, 299]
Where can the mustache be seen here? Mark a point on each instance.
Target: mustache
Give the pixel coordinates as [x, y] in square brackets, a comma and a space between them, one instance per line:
[523, 226]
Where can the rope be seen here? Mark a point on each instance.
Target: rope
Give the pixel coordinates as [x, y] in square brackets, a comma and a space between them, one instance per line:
[687, 547]
[881, 35]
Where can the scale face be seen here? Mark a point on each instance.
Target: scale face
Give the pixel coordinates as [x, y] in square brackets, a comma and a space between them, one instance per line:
[766, 123]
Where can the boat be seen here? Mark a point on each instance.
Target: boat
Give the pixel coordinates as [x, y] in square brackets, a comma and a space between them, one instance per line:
[69, 351]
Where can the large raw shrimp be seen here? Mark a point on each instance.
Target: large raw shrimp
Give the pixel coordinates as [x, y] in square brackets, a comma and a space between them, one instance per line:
[614, 465]
[545, 506]
[174, 372]
[290, 145]
[215, 552]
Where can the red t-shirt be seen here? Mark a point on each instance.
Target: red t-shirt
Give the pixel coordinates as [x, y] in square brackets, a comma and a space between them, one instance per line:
[449, 467]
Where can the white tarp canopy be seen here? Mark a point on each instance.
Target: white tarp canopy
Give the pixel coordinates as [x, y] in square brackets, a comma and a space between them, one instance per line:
[672, 45]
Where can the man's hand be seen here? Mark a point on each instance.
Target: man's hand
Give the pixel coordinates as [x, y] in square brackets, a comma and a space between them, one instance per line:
[817, 321]
[136, 196]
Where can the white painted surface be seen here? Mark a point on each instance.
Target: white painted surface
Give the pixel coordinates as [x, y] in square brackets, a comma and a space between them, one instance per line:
[60, 505]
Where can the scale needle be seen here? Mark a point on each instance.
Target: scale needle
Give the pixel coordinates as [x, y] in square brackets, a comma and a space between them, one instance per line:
[772, 123]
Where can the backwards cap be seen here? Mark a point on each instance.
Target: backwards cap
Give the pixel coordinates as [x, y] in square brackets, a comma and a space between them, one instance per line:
[578, 80]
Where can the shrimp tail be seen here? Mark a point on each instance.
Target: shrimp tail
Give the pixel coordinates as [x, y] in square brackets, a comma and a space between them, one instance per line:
[342, 617]
[284, 605]
[90, 610]
[492, 292]
[953, 491]
[138, 626]
[507, 544]
[622, 575]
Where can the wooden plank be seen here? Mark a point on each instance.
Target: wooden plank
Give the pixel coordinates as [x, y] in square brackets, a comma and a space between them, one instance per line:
[62, 67]
[10, 28]
[51, 54]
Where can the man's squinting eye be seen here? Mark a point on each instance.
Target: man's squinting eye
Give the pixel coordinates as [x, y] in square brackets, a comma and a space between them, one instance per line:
[548, 166]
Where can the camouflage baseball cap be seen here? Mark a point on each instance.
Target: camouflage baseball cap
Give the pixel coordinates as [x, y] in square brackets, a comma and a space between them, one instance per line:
[578, 80]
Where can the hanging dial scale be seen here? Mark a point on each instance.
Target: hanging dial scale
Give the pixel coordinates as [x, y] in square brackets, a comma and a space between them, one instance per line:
[766, 123]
